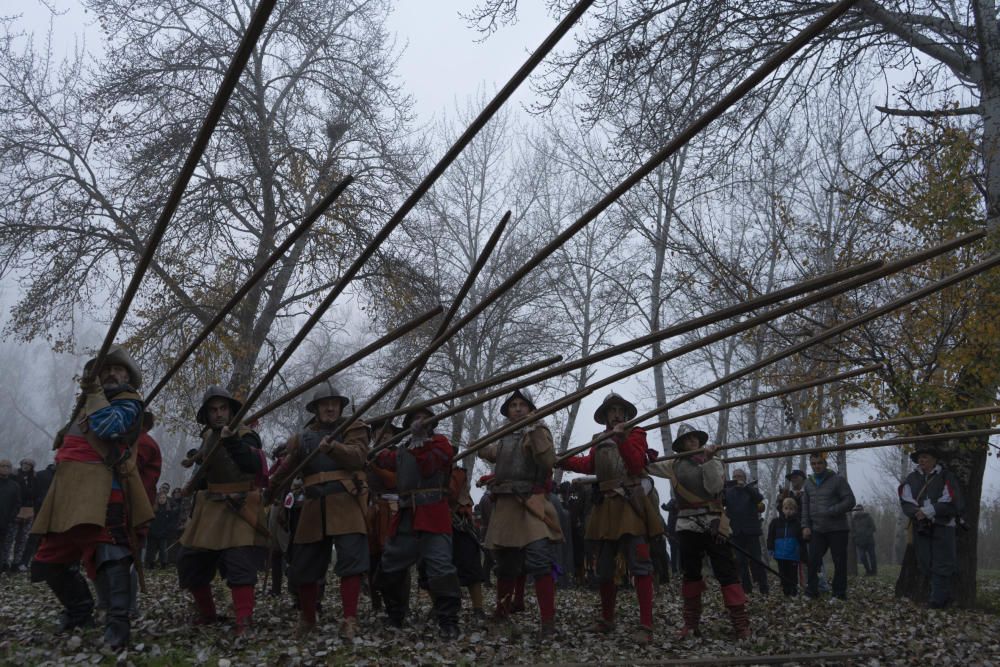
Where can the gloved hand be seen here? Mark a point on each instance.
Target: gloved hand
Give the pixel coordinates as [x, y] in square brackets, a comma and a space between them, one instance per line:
[91, 384]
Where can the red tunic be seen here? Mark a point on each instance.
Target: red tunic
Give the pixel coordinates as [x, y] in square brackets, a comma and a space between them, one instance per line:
[433, 455]
[632, 450]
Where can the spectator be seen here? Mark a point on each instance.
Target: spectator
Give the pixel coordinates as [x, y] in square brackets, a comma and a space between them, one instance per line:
[25, 514]
[10, 505]
[796, 480]
[785, 545]
[864, 540]
[744, 503]
[825, 503]
[43, 479]
[161, 530]
[931, 498]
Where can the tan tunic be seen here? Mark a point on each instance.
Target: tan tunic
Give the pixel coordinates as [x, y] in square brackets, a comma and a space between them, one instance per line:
[80, 490]
[226, 514]
[335, 513]
[627, 504]
[516, 520]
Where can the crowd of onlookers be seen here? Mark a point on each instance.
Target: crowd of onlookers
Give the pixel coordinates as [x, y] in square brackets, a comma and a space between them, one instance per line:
[21, 496]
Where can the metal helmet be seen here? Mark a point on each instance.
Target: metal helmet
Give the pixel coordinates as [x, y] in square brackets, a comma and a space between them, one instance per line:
[601, 414]
[216, 391]
[687, 429]
[117, 355]
[523, 394]
[412, 411]
[324, 391]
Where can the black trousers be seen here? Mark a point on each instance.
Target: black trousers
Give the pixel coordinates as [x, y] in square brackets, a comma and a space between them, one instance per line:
[836, 543]
[751, 569]
[866, 556]
[695, 546]
[789, 570]
[237, 565]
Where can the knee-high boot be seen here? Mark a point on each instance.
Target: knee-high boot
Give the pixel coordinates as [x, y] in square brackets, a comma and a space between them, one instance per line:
[72, 591]
[117, 576]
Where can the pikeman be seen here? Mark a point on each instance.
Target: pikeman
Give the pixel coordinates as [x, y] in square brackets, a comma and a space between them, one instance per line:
[96, 500]
[702, 529]
[624, 516]
[524, 523]
[383, 505]
[227, 529]
[333, 513]
[421, 532]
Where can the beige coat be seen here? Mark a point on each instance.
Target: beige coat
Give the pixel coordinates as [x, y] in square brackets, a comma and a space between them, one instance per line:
[517, 521]
[344, 512]
[226, 515]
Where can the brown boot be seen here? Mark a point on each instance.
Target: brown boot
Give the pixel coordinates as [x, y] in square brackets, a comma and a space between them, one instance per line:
[643, 636]
[735, 601]
[603, 626]
[691, 611]
[304, 628]
[348, 629]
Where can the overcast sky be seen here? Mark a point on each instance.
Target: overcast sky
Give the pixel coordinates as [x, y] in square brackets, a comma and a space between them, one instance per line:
[445, 64]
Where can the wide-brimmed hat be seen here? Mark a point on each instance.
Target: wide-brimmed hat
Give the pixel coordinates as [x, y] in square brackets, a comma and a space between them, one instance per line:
[601, 414]
[933, 448]
[324, 391]
[216, 391]
[794, 473]
[523, 394]
[687, 429]
[118, 356]
[30, 462]
[416, 409]
[384, 424]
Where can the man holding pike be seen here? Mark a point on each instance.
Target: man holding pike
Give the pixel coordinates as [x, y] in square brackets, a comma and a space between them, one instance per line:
[335, 450]
[227, 529]
[96, 500]
[697, 482]
[523, 523]
[624, 516]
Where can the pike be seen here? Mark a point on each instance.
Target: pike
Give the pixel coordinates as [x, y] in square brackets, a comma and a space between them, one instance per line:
[746, 325]
[675, 144]
[213, 440]
[916, 295]
[372, 347]
[219, 103]
[781, 391]
[311, 217]
[411, 201]
[728, 312]
[847, 428]
[456, 303]
[870, 444]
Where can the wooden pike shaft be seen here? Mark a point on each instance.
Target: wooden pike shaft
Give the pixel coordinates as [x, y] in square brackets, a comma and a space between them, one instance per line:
[229, 81]
[411, 201]
[470, 280]
[675, 144]
[896, 421]
[311, 217]
[832, 332]
[469, 389]
[870, 444]
[668, 332]
[390, 337]
[788, 389]
[219, 103]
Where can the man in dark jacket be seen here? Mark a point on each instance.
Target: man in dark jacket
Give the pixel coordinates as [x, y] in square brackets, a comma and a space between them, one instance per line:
[825, 503]
[932, 499]
[863, 526]
[743, 506]
[10, 503]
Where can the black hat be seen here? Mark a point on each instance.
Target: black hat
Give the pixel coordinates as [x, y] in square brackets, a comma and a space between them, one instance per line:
[324, 391]
[216, 391]
[517, 393]
[118, 356]
[794, 473]
[927, 448]
[601, 414]
[687, 429]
